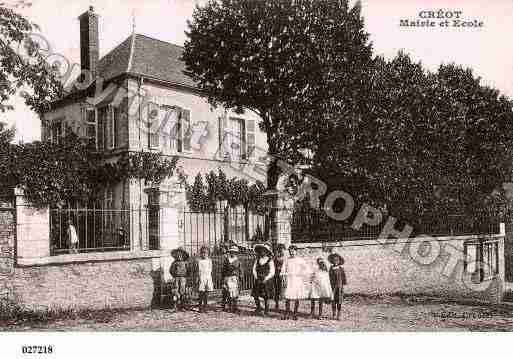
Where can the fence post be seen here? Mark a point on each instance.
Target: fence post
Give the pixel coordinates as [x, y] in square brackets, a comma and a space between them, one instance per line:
[32, 229]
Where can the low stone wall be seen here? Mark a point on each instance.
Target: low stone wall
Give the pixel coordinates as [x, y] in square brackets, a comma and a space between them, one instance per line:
[94, 285]
[403, 267]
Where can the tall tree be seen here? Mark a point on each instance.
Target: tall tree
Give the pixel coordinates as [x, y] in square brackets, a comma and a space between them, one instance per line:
[289, 61]
[23, 64]
[428, 143]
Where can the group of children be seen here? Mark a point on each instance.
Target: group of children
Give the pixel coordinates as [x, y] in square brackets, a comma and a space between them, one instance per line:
[276, 277]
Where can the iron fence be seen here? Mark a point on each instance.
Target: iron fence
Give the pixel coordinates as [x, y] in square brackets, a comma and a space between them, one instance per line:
[213, 229]
[103, 230]
[312, 225]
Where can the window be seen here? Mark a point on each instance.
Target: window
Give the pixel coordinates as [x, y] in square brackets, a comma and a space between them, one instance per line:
[153, 125]
[90, 125]
[250, 138]
[57, 130]
[107, 127]
[237, 138]
[481, 259]
[183, 131]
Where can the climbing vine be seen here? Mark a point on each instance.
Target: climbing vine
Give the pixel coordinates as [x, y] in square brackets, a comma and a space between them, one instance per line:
[73, 171]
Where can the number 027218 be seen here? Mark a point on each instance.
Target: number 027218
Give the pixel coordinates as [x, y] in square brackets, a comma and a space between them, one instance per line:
[37, 349]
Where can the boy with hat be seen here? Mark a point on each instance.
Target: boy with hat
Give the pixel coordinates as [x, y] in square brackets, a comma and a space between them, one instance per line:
[179, 271]
[263, 272]
[338, 281]
[232, 271]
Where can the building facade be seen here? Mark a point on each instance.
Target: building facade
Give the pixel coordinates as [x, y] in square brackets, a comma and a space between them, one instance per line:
[138, 98]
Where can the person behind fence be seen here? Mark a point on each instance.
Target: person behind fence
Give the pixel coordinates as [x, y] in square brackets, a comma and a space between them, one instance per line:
[263, 272]
[279, 259]
[232, 271]
[338, 281]
[205, 283]
[295, 288]
[72, 237]
[320, 287]
[179, 272]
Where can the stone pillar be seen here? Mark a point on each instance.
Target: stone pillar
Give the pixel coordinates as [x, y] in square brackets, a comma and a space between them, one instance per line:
[280, 206]
[32, 229]
[171, 200]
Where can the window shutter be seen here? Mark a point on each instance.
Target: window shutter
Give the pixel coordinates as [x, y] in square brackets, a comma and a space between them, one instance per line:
[224, 137]
[153, 130]
[250, 138]
[186, 130]
[109, 128]
[173, 116]
[179, 125]
[101, 127]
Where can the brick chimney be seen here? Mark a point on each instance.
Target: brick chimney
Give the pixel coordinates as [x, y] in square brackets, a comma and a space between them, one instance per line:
[89, 41]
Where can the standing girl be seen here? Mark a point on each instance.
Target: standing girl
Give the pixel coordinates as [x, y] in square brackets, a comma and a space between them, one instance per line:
[231, 274]
[293, 271]
[320, 289]
[263, 272]
[205, 283]
[338, 281]
[279, 260]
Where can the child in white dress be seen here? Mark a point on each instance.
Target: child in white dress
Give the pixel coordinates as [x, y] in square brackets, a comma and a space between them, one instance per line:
[320, 287]
[205, 283]
[293, 272]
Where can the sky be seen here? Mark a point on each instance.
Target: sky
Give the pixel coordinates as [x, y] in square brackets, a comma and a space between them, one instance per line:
[487, 49]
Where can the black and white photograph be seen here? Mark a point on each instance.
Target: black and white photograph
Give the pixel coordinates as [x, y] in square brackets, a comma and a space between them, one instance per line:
[251, 166]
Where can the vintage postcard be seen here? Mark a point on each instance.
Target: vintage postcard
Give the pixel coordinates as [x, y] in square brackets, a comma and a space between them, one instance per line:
[255, 166]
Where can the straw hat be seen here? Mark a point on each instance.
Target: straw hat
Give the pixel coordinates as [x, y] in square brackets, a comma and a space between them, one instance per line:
[233, 249]
[264, 246]
[174, 253]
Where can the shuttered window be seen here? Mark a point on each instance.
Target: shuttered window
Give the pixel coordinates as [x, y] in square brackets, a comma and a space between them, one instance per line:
[90, 125]
[102, 125]
[186, 130]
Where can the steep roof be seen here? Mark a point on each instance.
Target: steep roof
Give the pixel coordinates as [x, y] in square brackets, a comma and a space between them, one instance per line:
[144, 56]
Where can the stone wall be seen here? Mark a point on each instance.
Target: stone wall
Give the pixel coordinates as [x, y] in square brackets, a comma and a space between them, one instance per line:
[7, 238]
[403, 267]
[88, 285]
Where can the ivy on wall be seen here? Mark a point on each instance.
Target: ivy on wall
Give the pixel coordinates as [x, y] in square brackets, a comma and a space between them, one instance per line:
[73, 171]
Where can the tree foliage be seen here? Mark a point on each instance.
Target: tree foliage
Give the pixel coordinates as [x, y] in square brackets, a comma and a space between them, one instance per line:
[23, 65]
[427, 143]
[206, 197]
[286, 60]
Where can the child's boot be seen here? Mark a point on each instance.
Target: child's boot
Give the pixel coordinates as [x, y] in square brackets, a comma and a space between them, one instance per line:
[235, 308]
[334, 310]
[286, 316]
[266, 306]
[296, 307]
[312, 309]
[320, 309]
[258, 309]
